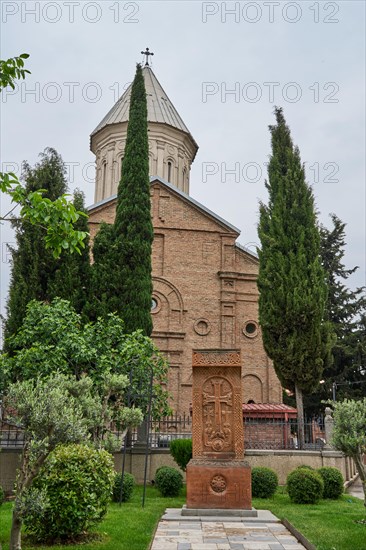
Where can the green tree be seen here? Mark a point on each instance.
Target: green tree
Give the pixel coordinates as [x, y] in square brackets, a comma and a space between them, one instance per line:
[349, 433]
[345, 310]
[129, 284]
[54, 338]
[56, 217]
[291, 279]
[55, 410]
[36, 273]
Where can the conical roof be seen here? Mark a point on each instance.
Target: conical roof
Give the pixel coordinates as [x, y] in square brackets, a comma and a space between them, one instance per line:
[159, 107]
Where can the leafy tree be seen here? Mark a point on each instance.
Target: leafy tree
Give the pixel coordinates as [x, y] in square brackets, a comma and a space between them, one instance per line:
[11, 70]
[36, 273]
[349, 433]
[53, 338]
[291, 279]
[346, 311]
[128, 289]
[55, 410]
[57, 217]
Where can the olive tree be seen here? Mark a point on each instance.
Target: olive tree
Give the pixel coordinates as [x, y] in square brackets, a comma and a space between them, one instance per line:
[349, 433]
[55, 410]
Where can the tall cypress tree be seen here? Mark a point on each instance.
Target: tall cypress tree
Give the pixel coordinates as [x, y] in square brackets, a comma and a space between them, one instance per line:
[126, 286]
[36, 274]
[291, 280]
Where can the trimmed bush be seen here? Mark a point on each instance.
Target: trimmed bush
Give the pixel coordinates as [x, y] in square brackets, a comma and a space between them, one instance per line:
[264, 482]
[77, 483]
[333, 482]
[169, 481]
[181, 451]
[305, 466]
[128, 485]
[305, 486]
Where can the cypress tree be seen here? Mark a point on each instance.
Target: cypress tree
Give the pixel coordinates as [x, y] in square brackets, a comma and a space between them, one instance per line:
[291, 279]
[36, 274]
[124, 283]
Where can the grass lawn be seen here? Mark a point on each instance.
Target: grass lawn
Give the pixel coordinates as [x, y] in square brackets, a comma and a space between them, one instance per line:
[126, 527]
[329, 525]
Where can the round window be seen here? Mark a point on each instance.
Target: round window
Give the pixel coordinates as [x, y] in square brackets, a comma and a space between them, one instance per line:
[250, 329]
[154, 304]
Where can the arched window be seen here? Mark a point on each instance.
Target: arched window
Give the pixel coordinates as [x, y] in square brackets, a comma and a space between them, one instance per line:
[120, 170]
[104, 178]
[169, 172]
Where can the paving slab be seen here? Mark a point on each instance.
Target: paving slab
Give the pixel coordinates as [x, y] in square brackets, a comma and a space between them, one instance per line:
[202, 532]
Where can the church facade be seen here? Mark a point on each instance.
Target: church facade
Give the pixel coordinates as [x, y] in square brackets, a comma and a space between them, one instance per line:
[205, 293]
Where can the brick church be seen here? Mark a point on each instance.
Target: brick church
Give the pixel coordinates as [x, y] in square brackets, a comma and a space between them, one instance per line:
[205, 293]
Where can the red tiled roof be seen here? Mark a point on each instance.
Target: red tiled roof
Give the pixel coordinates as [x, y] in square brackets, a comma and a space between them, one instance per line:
[268, 410]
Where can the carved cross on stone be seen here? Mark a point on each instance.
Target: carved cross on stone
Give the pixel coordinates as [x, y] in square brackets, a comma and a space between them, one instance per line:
[217, 399]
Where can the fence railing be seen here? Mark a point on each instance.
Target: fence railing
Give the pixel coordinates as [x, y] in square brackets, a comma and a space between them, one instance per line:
[259, 433]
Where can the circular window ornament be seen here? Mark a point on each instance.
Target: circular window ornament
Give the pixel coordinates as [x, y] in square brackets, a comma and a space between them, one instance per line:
[250, 329]
[202, 327]
[155, 305]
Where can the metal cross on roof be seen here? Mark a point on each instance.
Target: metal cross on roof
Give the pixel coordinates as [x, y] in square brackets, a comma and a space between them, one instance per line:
[147, 53]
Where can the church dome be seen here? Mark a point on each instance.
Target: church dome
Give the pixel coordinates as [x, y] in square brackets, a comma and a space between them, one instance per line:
[159, 107]
[172, 148]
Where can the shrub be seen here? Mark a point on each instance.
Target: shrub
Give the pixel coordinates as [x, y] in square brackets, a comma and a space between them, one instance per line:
[264, 482]
[333, 482]
[169, 481]
[128, 485]
[305, 486]
[2, 495]
[181, 451]
[305, 466]
[77, 482]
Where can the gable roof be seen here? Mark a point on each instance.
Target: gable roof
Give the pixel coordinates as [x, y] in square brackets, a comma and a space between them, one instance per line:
[184, 196]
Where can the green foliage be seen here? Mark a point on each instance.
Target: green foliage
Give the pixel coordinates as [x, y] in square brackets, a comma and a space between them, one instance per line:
[53, 338]
[349, 433]
[305, 486]
[123, 254]
[291, 279]
[333, 482]
[181, 451]
[264, 482]
[2, 495]
[36, 273]
[346, 311]
[77, 481]
[127, 489]
[11, 70]
[169, 481]
[305, 466]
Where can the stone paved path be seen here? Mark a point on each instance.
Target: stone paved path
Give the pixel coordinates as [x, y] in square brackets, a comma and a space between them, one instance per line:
[222, 534]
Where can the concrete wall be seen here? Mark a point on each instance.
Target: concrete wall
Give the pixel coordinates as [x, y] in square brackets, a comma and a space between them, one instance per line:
[282, 462]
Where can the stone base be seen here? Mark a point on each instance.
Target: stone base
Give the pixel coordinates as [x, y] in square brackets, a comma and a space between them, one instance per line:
[219, 484]
[235, 513]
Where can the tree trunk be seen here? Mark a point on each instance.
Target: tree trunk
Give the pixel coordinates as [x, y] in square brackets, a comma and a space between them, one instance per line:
[15, 534]
[300, 416]
[362, 473]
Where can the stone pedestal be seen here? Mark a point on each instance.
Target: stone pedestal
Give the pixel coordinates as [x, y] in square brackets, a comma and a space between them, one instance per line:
[217, 476]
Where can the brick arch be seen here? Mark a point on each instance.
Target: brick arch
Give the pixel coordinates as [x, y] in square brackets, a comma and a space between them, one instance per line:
[252, 388]
[169, 317]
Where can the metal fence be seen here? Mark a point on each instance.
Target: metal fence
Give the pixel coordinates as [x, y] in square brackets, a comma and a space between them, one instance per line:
[259, 433]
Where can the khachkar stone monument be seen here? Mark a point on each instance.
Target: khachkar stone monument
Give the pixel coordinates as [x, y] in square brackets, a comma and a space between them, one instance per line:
[217, 476]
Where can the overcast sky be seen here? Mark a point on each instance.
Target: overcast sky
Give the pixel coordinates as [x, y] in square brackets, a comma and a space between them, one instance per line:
[224, 65]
